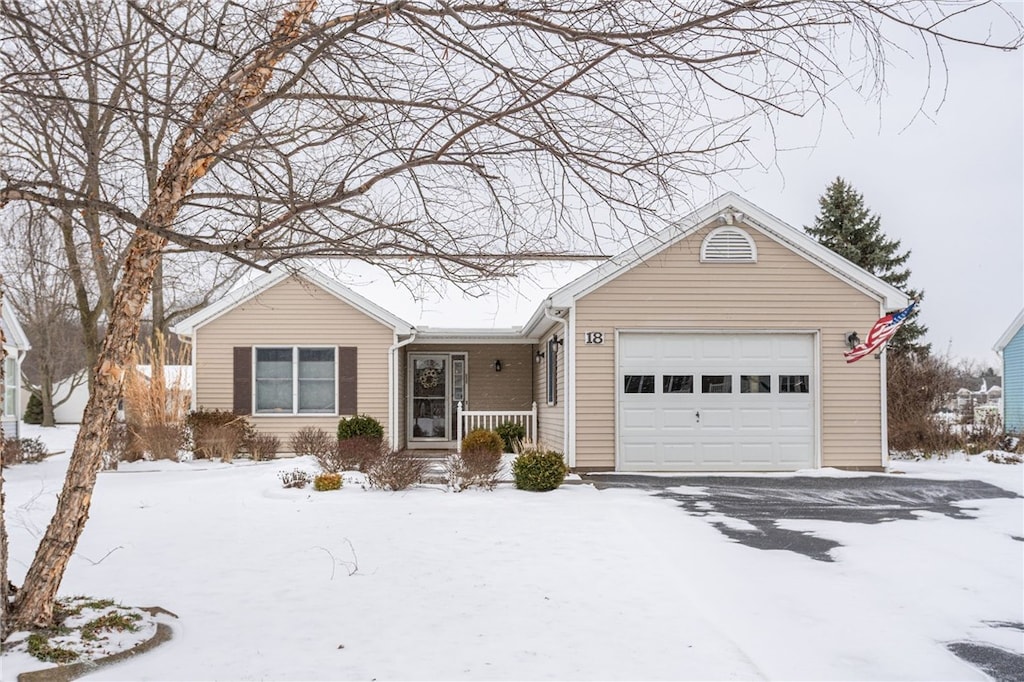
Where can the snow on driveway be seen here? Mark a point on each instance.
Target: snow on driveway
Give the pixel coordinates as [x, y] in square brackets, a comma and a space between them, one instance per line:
[573, 584]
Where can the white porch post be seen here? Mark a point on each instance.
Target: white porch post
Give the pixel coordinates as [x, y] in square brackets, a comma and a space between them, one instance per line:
[458, 428]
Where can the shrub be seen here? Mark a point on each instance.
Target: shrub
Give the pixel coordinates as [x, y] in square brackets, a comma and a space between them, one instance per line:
[540, 471]
[215, 432]
[512, 435]
[473, 467]
[1004, 458]
[263, 446]
[393, 470]
[357, 453]
[161, 441]
[318, 444]
[23, 450]
[34, 410]
[360, 425]
[296, 478]
[327, 482]
[482, 440]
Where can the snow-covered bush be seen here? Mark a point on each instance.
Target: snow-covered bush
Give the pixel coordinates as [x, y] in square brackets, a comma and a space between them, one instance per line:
[296, 478]
[23, 450]
[473, 467]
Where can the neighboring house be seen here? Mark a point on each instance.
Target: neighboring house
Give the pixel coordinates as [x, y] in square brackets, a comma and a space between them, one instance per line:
[714, 345]
[70, 395]
[15, 345]
[70, 411]
[1011, 348]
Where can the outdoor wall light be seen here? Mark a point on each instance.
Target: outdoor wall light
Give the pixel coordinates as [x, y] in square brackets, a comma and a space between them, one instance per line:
[539, 357]
[852, 340]
[559, 341]
[497, 365]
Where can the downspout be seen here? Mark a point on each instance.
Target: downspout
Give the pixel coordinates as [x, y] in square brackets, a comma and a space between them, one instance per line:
[393, 386]
[570, 457]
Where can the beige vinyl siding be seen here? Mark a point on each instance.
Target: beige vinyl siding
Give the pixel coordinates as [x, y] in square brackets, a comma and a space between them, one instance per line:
[509, 389]
[674, 290]
[551, 418]
[293, 312]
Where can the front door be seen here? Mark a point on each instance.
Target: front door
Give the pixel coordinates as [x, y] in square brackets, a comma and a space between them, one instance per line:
[430, 407]
[437, 384]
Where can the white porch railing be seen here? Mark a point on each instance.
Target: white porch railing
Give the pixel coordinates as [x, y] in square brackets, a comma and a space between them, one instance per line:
[467, 420]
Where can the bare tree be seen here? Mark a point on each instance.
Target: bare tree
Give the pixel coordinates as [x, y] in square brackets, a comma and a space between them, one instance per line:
[40, 290]
[456, 138]
[5, 600]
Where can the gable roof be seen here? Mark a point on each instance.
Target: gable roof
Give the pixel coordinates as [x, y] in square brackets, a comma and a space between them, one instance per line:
[13, 333]
[732, 208]
[251, 290]
[1010, 332]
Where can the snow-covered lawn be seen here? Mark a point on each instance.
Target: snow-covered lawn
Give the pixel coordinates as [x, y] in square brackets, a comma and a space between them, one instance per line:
[574, 584]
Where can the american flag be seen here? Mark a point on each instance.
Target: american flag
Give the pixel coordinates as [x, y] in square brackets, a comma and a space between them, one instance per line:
[881, 332]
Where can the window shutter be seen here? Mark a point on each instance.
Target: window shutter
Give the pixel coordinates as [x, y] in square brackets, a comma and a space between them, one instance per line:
[242, 380]
[347, 380]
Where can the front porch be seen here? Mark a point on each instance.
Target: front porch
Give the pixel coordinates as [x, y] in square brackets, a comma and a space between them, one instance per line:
[447, 390]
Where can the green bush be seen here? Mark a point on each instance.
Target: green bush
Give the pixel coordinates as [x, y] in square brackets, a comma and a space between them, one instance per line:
[360, 425]
[540, 471]
[327, 482]
[512, 434]
[482, 440]
[34, 410]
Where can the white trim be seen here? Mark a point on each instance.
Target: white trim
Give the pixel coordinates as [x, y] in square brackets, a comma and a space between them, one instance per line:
[247, 292]
[16, 337]
[1007, 336]
[194, 342]
[883, 380]
[569, 372]
[819, 443]
[815, 335]
[752, 217]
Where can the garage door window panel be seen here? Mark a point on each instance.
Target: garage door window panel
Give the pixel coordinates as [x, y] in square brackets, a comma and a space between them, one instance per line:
[794, 383]
[716, 383]
[639, 383]
[677, 383]
[755, 383]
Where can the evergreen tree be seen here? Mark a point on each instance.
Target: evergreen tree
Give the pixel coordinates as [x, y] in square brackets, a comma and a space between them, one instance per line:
[34, 410]
[845, 225]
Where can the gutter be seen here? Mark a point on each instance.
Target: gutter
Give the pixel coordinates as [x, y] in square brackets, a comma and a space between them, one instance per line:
[393, 385]
[569, 456]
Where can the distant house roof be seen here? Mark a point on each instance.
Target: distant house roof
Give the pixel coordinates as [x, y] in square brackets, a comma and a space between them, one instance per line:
[13, 333]
[1010, 332]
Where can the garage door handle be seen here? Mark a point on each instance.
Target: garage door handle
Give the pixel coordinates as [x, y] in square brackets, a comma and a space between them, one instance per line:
[698, 416]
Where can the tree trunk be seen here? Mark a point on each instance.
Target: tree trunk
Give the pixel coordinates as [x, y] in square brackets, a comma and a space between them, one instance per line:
[46, 397]
[191, 157]
[157, 304]
[33, 606]
[5, 600]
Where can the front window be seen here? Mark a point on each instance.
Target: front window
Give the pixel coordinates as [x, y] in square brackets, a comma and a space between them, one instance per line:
[10, 387]
[296, 380]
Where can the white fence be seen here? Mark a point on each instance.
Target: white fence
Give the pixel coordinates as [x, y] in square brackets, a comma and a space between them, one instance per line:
[468, 420]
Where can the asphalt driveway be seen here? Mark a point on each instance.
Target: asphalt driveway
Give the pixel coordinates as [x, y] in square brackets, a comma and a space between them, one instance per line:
[763, 501]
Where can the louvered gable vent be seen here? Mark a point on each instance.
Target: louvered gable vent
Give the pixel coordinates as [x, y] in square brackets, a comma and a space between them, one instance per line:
[728, 245]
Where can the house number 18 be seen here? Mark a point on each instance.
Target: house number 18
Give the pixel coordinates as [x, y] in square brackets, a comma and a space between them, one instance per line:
[593, 337]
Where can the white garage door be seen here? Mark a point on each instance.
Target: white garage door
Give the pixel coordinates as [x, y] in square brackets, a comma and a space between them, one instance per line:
[716, 402]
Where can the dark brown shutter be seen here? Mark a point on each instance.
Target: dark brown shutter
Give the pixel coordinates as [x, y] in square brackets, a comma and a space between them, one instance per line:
[243, 380]
[347, 380]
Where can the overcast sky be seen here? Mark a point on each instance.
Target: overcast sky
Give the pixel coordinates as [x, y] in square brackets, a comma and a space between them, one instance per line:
[950, 188]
